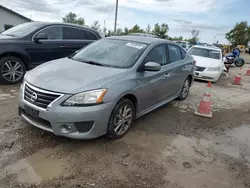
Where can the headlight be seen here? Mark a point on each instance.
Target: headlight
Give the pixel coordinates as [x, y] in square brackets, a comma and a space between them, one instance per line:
[86, 98]
[213, 68]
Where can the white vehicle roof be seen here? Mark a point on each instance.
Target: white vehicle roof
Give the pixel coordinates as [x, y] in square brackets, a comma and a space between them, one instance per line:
[207, 47]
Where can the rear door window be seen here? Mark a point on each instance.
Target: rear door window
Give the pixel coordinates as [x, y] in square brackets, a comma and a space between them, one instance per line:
[70, 33]
[174, 53]
[90, 35]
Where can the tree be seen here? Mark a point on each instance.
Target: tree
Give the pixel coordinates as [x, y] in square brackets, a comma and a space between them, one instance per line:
[148, 29]
[126, 31]
[96, 25]
[136, 29]
[72, 18]
[240, 34]
[161, 30]
[110, 33]
[119, 32]
[180, 38]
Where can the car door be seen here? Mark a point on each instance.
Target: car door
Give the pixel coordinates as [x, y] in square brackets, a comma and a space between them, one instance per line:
[75, 39]
[178, 68]
[153, 84]
[48, 49]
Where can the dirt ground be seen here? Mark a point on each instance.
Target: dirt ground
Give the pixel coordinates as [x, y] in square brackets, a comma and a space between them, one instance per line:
[168, 148]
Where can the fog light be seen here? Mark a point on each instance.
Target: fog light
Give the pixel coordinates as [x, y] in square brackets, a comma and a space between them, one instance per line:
[65, 128]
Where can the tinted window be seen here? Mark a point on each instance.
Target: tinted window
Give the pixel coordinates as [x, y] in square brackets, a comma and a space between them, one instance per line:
[111, 53]
[90, 35]
[54, 33]
[158, 55]
[22, 29]
[174, 53]
[74, 33]
[214, 54]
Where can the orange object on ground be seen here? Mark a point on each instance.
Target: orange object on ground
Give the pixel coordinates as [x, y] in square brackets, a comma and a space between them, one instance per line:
[237, 79]
[204, 108]
[247, 73]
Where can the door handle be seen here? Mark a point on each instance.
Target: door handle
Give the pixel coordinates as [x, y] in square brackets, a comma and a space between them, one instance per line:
[62, 46]
[167, 75]
[184, 68]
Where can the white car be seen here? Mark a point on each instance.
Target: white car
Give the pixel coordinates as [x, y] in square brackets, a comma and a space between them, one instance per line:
[209, 62]
[184, 44]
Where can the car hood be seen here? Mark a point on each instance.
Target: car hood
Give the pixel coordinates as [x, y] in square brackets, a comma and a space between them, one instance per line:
[207, 62]
[8, 39]
[68, 76]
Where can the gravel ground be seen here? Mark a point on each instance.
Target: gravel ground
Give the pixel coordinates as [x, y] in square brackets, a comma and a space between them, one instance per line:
[169, 147]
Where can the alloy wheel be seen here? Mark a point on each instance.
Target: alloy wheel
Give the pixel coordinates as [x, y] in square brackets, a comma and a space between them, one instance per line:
[123, 119]
[185, 89]
[12, 71]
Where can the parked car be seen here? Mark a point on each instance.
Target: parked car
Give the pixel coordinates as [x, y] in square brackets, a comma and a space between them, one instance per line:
[209, 62]
[27, 45]
[105, 86]
[184, 44]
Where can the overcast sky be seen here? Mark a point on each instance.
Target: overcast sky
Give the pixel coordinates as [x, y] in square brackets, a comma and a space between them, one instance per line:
[212, 17]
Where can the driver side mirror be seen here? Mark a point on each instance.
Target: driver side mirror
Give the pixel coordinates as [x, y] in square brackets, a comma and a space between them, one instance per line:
[152, 66]
[40, 36]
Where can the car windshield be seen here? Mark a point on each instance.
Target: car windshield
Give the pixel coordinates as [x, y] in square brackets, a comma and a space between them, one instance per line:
[22, 29]
[202, 52]
[183, 44]
[111, 53]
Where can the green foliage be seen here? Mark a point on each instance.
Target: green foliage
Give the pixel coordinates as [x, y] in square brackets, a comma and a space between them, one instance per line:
[176, 38]
[240, 34]
[161, 30]
[72, 18]
[96, 25]
[136, 29]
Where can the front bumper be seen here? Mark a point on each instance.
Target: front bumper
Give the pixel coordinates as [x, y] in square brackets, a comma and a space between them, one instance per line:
[56, 117]
[212, 76]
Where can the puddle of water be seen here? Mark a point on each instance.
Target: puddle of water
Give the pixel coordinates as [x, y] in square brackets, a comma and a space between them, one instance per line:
[204, 169]
[189, 147]
[37, 167]
[241, 133]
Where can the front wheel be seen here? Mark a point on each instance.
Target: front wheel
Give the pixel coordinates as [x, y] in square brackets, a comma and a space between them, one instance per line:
[12, 70]
[121, 119]
[239, 62]
[185, 89]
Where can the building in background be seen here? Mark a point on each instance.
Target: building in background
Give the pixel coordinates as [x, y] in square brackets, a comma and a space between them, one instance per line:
[9, 18]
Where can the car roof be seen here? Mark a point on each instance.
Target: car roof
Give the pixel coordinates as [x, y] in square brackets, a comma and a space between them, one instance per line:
[141, 39]
[207, 47]
[61, 23]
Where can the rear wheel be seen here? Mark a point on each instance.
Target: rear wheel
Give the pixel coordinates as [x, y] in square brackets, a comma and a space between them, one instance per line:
[12, 70]
[239, 62]
[185, 89]
[121, 119]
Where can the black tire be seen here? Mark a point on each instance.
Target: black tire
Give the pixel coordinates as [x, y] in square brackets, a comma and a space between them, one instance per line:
[239, 63]
[185, 89]
[111, 133]
[3, 62]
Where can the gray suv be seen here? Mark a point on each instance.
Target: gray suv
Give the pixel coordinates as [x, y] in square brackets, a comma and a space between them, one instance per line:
[102, 88]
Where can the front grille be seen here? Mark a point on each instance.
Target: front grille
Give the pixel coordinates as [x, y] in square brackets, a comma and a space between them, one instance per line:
[42, 99]
[200, 69]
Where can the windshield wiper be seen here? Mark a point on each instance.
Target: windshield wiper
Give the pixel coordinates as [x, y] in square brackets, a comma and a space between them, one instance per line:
[94, 63]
